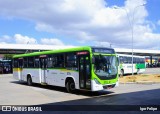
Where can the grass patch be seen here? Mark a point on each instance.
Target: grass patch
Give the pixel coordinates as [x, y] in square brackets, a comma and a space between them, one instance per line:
[158, 76]
[142, 77]
[131, 79]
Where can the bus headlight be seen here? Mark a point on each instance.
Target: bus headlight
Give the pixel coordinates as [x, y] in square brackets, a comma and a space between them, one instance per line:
[97, 82]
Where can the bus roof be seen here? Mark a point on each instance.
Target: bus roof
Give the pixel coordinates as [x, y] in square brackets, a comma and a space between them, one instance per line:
[130, 55]
[52, 51]
[89, 48]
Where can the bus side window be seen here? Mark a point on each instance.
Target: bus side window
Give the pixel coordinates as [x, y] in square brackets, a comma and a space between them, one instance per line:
[138, 60]
[121, 60]
[15, 63]
[58, 61]
[134, 60]
[36, 62]
[142, 60]
[54, 61]
[49, 61]
[20, 62]
[129, 60]
[25, 62]
[125, 60]
[71, 61]
[88, 67]
[31, 62]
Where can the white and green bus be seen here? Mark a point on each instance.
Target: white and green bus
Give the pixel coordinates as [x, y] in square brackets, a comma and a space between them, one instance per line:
[85, 68]
[125, 64]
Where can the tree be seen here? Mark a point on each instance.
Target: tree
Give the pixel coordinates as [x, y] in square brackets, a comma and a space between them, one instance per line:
[8, 56]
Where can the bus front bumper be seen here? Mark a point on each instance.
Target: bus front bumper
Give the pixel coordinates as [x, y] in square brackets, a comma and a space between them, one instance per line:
[99, 87]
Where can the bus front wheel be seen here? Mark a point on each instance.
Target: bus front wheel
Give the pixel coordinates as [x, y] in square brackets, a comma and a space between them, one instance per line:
[29, 81]
[70, 86]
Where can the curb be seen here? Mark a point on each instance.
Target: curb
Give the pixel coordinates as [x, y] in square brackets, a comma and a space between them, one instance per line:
[146, 82]
[128, 83]
[141, 82]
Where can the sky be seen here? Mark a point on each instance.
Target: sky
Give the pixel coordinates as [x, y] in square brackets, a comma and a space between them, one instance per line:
[81, 23]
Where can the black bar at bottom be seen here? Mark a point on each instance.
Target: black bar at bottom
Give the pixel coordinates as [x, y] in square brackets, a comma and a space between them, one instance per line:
[80, 108]
[101, 108]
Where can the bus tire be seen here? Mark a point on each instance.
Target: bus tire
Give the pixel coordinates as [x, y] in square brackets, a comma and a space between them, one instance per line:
[70, 86]
[122, 73]
[29, 81]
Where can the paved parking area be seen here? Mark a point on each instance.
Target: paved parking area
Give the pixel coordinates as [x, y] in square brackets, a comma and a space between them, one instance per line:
[18, 93]
[152, 71]
[13, 92]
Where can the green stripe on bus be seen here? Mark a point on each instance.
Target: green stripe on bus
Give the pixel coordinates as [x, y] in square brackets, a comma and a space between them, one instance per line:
[140, 66]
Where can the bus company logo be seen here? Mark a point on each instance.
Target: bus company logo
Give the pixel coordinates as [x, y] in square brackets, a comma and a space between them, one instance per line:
[6, 108]
[20, 108]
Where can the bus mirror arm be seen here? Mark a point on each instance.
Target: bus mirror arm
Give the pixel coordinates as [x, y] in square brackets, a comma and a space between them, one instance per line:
[93, 60]
[118, 61]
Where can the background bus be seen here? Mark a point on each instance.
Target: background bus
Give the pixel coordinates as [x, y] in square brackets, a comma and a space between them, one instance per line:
[125, 64]
[5, 66]
[86, 68]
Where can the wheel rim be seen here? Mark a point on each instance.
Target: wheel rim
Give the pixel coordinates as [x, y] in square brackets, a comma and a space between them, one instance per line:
[29, 81]
[121, 72]
[72, 86]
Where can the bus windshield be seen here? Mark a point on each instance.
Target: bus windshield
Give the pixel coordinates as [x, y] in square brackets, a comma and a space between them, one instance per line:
[106, 66]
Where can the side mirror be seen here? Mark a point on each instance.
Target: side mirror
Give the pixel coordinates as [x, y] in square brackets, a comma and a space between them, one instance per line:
[118, 61]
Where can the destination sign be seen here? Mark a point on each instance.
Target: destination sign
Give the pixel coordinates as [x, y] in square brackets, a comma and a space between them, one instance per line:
[103, 50]
[42, 56]
[82, 53]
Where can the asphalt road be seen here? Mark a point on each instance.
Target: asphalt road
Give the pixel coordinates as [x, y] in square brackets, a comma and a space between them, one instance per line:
[13, 92]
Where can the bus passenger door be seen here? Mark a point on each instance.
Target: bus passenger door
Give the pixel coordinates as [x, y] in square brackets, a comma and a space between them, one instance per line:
[84, 72]
[43, 65]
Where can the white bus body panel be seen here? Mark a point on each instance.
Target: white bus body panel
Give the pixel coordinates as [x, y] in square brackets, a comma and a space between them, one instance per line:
[58, 77]
[34, 73]
[127, 68]
[52, 76]
[141, 70]
[17, 74]
[95, 86]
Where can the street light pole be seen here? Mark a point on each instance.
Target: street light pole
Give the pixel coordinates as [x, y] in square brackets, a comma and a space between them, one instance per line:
[131, 22]
[133, 30]
[110, 45]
